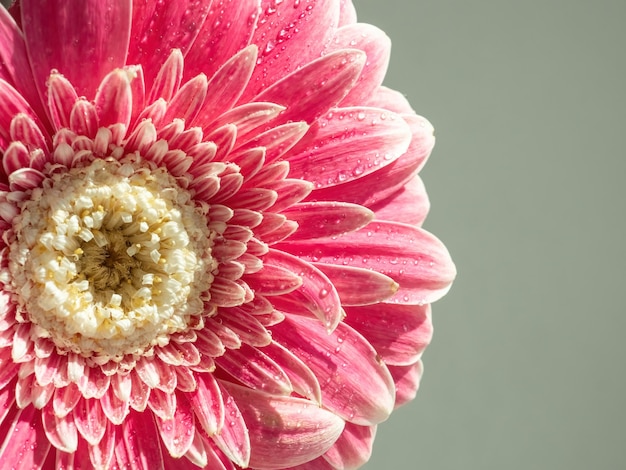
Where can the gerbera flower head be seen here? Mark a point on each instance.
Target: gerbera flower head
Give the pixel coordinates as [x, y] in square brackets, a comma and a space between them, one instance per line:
[211, 252]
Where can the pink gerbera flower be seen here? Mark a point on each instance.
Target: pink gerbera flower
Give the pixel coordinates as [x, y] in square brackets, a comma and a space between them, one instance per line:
[211, 253]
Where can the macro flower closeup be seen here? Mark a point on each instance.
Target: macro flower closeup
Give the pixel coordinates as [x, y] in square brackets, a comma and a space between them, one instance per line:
[211, 253]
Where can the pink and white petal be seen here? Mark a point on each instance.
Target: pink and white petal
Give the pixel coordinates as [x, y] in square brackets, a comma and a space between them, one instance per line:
[227, 30]
[102, 454]
[353, 448]
[316, 294]
[327, 219]
[90, 420]
[114, 408]
[315, 464]
[24, 129]
[276, 141]
[216, 459]
[407, 380]
[84, 119]
[25, 445]
[159, 27]
[290, 35]
[377, 46]
[207, 404]
[132, 450]
[348, 144]
[168, 79]
[347, 13]
[302, 378]
[247, 327]
[412, 257]
[380, 185]
[162, 404]
[253, 368]
[288, 431]
[356, 384]
[7, 405]
[188, 101]
[73, 36]
[61, 99]
[11, 104]
[9, 368]
[61, 432]
[312, 90]
[233, 439]
[358, 286]
[399, 333]
[114, 99]
[409, 206]
[14, 66]
[177, 433]
[273, 280]
[225, 87]
[65, 399]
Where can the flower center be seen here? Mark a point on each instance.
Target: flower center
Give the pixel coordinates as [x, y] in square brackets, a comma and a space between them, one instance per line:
[111, 258]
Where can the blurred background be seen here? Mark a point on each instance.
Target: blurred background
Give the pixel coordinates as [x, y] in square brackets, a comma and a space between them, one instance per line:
[527, 185]
[528, 188]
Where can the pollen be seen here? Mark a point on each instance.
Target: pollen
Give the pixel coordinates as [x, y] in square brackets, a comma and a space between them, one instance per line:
[89, 252]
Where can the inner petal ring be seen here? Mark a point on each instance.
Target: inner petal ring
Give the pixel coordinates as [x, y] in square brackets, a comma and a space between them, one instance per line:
[110, 258]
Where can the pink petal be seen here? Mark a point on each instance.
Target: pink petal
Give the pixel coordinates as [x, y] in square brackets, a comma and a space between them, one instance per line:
[114, 99]
[378, 186]
[159, 27]
[177, 433]
[302, 378]
[72, 36]
[412, 195]
[358, 286]
[11, 104]
[399, 333]
[289, 35]
[248, 328]
[377, 46]
[102, 454]
[407, 380]
[14, 65]
[285, 431]
[347, 12]
[356, 384]
[61, 99]
[84, 119]
[207, 404]
[353, 448]
[227, 29]
[15, 158]
[226, 86]
[114, 408]
[136, 447]
[311, 91]
[168, 79]
[188, 100]
[25, 445]
[273, 280]
[162, 404]
[251, 367]
[326, 219]
[233, 438]
[276, 141]
[90, 420]
[412, 257]
[316, 294]
[61, 432]
[347, 144]
[24, 129]
[65, 399]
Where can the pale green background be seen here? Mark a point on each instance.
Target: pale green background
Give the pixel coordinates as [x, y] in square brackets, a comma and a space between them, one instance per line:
[526, 369]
